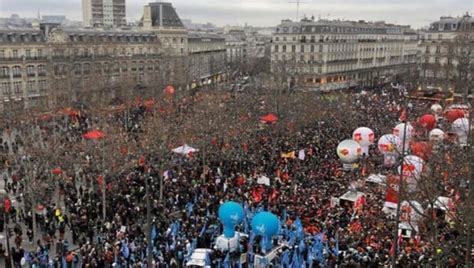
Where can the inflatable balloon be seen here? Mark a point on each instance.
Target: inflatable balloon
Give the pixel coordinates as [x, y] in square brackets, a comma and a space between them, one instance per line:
[348, 151]
[436, 135]
[437, 109]
[365, 137]
[412, 168]
[230, 215]
[265, 224]
[390, 146]
[410, 211]
[454, 114]
[461, 128]
[399, 132]
[427, 121]
[421, 149]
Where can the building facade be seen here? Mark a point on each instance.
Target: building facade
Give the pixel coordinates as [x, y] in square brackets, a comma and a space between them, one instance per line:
[55, 66]
[64, 66]
[104, 13]
[448, 51]
[207, 58]
[338, 54]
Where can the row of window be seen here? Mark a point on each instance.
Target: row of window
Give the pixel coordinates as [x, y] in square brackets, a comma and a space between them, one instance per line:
[16, 71]
[17, 87]
[17, 54]
[336, 48]
[336, 38]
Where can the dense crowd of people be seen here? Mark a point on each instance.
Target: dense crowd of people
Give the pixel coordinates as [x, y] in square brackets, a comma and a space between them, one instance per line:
[184, 210]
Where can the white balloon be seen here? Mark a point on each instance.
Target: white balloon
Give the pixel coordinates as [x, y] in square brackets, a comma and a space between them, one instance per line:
[399, 131]
[436, 135]
[389, 144]
[412, 166]
[348, 151]
[461, 128]
[365, 137]
[437, 109]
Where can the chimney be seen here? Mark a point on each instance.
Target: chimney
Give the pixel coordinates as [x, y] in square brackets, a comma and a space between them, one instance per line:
[147, 23]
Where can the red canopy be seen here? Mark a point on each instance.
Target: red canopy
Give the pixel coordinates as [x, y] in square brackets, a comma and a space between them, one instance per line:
[57, 171]
[93, 135]
[269, 118]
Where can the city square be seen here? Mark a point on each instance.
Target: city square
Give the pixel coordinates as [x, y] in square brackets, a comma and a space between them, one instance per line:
[159, 142]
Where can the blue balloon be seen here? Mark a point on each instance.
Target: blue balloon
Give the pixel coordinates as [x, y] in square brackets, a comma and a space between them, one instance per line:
[265, 224]
[230, 215]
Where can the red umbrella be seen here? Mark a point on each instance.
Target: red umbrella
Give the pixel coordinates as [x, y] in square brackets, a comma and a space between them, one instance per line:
[94, 135]
[269, 118]
[57, 171]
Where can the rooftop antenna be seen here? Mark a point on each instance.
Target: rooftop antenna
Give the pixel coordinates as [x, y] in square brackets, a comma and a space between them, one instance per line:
[297, 2]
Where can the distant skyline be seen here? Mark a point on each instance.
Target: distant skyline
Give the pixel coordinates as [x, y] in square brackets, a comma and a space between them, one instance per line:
[264, 12]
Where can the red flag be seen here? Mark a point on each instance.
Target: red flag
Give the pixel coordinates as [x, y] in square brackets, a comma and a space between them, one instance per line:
[100, 181]
[392, 190]
[355, 227]
[240, 181]
[7, 204]
[273, 195]
[141, 161]
[392, 249]
[359, 203]
[257, 195]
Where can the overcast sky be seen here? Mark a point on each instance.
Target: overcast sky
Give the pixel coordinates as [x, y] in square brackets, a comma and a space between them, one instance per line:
[417, 13]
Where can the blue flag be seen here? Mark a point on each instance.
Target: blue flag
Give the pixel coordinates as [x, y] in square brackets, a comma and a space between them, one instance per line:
[299, 229]
[203, 229]
[153, 233]
[227, 263]
[285, 259]
[125, 250]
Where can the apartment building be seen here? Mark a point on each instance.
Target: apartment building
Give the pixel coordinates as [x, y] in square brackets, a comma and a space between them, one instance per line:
[324, 54]
[447, 51]
[104, 13]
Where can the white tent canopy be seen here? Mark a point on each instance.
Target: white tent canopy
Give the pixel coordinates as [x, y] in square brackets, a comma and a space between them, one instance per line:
[377, 178]
[351, 196]
[263, 180]
[184, 150]
[442, 203]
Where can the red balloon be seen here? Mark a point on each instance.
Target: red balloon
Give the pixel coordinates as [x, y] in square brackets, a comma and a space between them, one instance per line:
[421, 149]
[427, 121]
[454, 114]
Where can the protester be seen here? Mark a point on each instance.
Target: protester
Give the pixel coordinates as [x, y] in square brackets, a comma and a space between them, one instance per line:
[185, 218]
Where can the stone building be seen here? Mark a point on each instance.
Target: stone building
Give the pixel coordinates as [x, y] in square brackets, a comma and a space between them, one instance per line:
[448, 51]
[207, 58]
[39, 69]
[337, 54]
